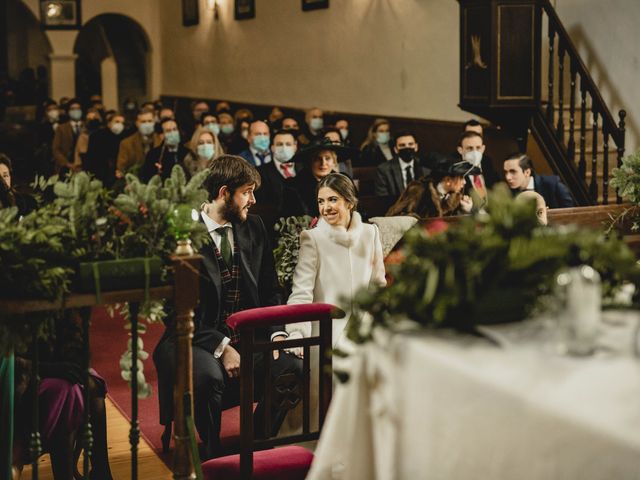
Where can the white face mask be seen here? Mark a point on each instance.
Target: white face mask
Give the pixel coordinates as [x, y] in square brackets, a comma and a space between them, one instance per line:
[344, 133]
[53, 115]
[117, 128]
[284, 153]
[473, 157]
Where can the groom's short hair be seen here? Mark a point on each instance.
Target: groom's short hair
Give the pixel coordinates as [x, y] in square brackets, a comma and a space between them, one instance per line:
[232, 171]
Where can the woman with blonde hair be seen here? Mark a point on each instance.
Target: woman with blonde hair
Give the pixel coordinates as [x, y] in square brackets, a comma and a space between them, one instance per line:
[205, 147]
[378, 147]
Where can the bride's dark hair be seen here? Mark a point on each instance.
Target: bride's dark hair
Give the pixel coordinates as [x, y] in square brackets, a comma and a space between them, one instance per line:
[343, 185]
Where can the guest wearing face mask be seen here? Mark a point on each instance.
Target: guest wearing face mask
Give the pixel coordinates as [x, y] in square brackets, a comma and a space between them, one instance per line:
[133, 149]
[314, 123]
[489, 171]
[45, 133]
[342, 124]
[102, 151]
[66, 137]
[205, 148]
[198, 109]
[377, 148]
[333, 135]
[481, 175]
[258, 153]
[393, 177]
[92, 124]
[275, 174]
[161, 159]
[227, 131]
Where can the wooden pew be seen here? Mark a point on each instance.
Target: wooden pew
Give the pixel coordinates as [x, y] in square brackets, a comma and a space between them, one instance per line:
[364, 178]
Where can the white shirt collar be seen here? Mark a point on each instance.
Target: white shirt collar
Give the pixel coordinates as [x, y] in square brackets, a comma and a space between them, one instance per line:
[531, 185]
[404, 165]
[277, 164]
[211, 224]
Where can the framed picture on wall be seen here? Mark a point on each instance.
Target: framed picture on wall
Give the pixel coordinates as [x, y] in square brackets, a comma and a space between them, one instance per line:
[60, 14]
[190, 13]
[314, 4]
[245, 9]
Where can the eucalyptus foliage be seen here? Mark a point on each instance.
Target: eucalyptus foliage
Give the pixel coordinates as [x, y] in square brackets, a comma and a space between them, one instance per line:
[484, 269]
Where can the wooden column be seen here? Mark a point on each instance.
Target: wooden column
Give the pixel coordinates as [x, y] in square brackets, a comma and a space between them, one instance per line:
[186, 278]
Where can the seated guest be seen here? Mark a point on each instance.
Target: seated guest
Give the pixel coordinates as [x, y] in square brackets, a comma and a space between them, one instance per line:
[290, 123]
[243, 115]
[519, 174]
[134, 149]
[65, 138]
[438, 195]
[275, 115]
[393, 177]
[102, 150]
[223, 107]
[198, 109]
[9, 196]
[541, 206]
[93, 123]
[166, 112]
[227, 131]
[333, 135]
[205, 148]
[210, 122]
[489, 171]
[237, 273]
[376, 149]
[342, 125]
[314, 123]
[275, 174]
[319, 160]
[61, 403]
[482, 175]
[162, 159]
[258, 152]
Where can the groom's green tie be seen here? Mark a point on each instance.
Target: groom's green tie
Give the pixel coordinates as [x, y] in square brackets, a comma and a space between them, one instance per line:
[225, 246]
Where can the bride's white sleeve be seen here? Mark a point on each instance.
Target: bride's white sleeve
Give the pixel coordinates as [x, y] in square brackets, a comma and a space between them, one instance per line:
[377, 273]
[304, 280]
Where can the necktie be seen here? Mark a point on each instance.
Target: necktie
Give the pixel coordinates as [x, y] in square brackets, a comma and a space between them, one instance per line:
[286, 169]
[478, 186]
[261, 157]
[225, 246]
[408, 174]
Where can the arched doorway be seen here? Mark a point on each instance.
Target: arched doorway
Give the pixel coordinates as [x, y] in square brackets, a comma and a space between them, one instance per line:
[121, 39]
[26, 55]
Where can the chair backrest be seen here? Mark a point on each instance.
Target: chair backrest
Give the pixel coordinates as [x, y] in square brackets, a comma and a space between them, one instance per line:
[245, 323]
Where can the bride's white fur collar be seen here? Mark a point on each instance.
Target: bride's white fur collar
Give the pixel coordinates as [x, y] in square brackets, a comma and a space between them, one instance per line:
[341, 235]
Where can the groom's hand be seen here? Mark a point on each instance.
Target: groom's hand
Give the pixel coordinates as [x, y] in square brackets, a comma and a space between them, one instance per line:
[279, 338]
[231, 361]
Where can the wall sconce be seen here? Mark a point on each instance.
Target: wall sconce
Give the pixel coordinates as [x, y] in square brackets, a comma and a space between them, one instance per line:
[60, 14]
[215, 8]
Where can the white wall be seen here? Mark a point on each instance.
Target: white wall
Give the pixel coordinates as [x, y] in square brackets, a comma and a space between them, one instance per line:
[606, 34]
[392, 57]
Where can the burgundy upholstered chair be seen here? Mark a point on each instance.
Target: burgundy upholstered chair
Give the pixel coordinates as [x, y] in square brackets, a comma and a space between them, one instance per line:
[258, 459]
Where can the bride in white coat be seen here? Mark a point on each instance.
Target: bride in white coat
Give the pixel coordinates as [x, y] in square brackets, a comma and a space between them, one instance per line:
[337, 257]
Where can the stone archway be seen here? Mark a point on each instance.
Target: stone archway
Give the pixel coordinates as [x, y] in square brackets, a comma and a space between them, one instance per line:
[113, 59]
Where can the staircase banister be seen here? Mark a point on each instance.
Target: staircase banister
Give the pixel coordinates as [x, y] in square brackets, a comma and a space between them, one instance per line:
[600, 106]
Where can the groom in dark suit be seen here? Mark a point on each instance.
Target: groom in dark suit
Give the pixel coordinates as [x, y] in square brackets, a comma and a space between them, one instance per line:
[237, 274]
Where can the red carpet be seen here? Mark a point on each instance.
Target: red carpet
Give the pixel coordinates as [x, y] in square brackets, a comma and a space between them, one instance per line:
[108, 343]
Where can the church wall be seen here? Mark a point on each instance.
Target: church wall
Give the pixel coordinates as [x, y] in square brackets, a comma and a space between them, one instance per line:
[386, 57]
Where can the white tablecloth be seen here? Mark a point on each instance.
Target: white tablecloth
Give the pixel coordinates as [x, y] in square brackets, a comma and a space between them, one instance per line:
[454, 408]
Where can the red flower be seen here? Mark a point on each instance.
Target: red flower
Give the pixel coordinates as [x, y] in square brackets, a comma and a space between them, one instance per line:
[436, 226]
[314, 222]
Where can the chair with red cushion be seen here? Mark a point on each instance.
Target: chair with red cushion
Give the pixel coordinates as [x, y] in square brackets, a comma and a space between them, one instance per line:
[258, 459]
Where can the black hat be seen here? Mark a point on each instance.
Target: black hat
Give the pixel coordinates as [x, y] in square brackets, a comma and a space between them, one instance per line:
[310, 151]
[448, 166]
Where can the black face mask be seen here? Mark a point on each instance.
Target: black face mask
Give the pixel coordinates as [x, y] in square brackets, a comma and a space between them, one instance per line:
[406, 154]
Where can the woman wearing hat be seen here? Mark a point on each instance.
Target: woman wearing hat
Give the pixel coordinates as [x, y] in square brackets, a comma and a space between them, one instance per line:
[319, 160]
[438, 195]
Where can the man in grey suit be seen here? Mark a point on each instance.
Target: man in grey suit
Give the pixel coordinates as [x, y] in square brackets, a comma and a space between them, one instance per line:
[392, 177]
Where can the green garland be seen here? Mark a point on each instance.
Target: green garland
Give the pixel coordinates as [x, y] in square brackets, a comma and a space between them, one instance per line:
[486, 269]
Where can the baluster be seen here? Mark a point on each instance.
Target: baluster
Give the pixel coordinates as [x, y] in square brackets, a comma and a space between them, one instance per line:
[621, 145]
[582, 164]
[35, 446]
[87, 432]
[552, 35]
[605, 165]
[571, 148]
[560, 131]
[134, 432]
[593, 187]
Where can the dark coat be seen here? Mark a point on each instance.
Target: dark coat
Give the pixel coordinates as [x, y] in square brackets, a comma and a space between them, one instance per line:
[390, 179]
[555, 193]
[162, 156]
[260, 289]
[101, 156]
[371, 156]
[300, 197]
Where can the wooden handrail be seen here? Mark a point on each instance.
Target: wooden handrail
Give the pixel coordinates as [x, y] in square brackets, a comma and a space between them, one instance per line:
[575, 59]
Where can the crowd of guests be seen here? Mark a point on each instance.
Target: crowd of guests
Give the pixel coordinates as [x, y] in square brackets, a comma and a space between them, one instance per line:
[289, 166]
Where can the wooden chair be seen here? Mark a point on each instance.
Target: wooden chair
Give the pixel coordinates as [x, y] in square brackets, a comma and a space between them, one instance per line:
[290, 462]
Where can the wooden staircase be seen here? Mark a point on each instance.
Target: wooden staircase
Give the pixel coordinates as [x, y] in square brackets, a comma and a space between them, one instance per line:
[523, 49]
